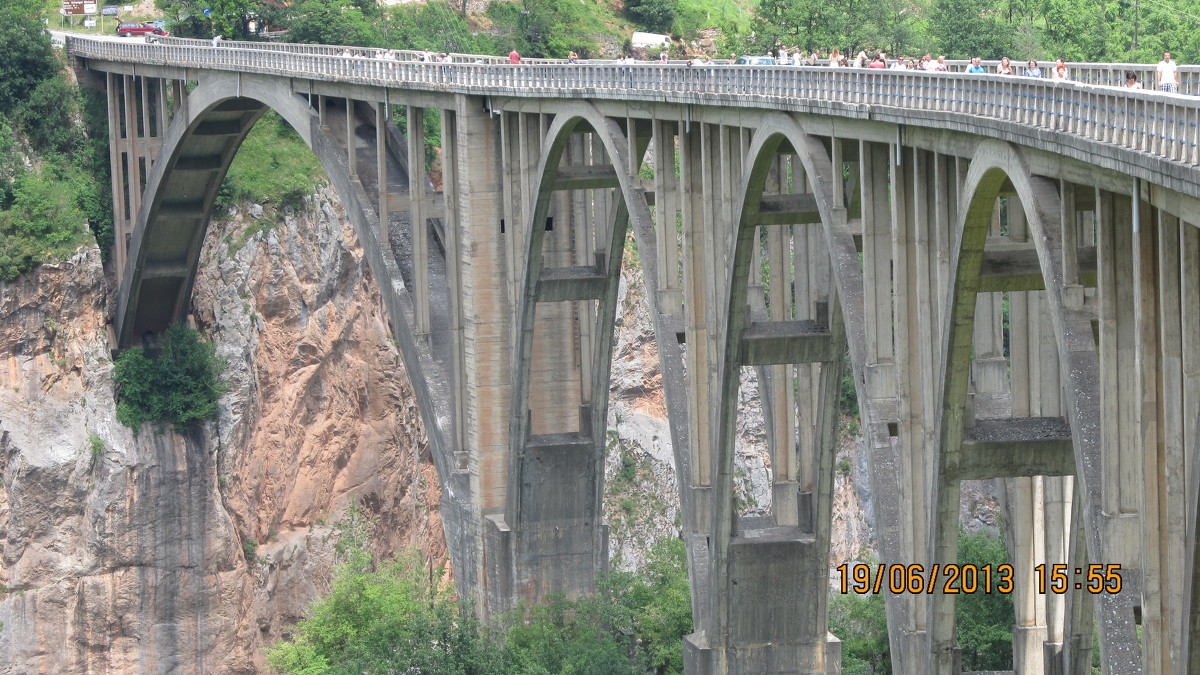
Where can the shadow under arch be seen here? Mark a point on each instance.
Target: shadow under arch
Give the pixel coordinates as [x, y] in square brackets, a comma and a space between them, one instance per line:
[573, 500]
[801, 638]
[994, 165]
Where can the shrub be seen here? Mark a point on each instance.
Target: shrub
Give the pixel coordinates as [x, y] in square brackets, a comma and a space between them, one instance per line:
[250, 548]
[180, 387]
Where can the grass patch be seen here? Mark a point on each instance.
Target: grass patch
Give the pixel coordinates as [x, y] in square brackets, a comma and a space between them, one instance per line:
[273, 167]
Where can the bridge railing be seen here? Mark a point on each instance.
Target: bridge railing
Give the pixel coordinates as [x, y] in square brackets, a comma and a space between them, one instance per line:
[1160, 124]
[1106, 74]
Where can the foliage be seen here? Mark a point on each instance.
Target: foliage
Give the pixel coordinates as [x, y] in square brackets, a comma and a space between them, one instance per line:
[984, 620]
[96, 444]
[860, 622]
[334, 22]
[394, 616]
[655, 16]
[250, 549]
[435, 26]
[180, 387]
[964, 29]
[273, 166]
[548, 28]
[227, 18]
[28, 57]
[44, 216]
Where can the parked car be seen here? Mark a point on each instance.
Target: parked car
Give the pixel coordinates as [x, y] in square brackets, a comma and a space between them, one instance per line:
[126, 29]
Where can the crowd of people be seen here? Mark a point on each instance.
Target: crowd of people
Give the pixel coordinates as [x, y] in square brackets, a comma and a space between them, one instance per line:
[1166, 71]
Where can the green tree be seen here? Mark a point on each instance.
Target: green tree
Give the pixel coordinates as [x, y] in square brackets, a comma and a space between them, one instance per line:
[547, 28]
[860, 622]
[658, 601]
[28, 57]
[330, 22]
[393, 616]
[228, 18]
[967, 28]
[984, 620]
[434, 26]
[181, 387]
[656, 16]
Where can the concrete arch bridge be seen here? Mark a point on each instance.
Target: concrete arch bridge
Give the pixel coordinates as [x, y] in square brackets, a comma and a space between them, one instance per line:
[894, 217]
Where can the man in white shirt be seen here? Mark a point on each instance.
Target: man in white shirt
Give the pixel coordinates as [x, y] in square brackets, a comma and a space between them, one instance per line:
[1167, 75]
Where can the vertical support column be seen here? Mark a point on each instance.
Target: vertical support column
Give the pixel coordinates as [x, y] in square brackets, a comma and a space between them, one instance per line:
[133, 147]
[450, 192]
[1144, 442]
[486, 373]
[1122, 472]
[351, 139]
[322, 106]
[381, 171]
[416, 216]
[120, 250]
[916, 457]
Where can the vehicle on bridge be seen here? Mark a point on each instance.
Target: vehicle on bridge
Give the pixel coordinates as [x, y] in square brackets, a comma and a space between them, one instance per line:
[755, 61]
[127, 29]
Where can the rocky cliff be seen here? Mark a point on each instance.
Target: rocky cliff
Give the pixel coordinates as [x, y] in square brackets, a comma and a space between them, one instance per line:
[164, 553]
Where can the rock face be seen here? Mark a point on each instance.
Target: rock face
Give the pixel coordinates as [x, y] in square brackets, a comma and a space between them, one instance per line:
[163, 553]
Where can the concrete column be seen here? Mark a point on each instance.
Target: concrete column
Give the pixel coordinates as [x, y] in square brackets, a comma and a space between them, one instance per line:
[487, 340]
[381, 171]
[454, 254]
[351, 138]
[120, 228]
[322, 106]
[133, 147]
[1144, 442]
[417, 180]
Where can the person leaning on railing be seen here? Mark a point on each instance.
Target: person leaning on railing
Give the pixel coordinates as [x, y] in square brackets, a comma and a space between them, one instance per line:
[1131, 80]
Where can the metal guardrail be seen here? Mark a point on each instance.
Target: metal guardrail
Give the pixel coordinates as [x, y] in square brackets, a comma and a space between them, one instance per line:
[1164, 125]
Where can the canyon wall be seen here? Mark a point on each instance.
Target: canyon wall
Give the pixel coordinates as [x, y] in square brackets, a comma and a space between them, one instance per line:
[168, 553]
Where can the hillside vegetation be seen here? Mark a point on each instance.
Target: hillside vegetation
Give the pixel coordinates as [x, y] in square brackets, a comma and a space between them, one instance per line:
[54, 180]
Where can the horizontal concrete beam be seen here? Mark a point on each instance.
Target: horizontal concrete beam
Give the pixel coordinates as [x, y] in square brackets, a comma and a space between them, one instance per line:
[200, 163]
[780, 342]
[585, 177]
[166, 269]
[433, 206]
[1017, 269]
[1016, 446]
[788, 209]
[559, 284]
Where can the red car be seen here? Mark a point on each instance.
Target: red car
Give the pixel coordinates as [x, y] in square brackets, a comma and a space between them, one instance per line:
[134, 28]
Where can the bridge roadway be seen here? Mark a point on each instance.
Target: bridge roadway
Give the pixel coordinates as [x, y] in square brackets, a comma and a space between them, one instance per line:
[896, 217]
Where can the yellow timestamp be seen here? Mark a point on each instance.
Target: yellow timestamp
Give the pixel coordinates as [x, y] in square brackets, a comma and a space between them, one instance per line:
[1091, 578]
[949, 578]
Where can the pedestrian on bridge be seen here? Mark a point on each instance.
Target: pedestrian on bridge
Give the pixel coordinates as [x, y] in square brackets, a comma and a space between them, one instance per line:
[1131, 80]
[1167, 74]
[1005, 67]
[1032, 69]
[1059, 72]
[513, 57]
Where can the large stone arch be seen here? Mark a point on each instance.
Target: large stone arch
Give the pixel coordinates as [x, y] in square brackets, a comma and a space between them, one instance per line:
[995, 167]
[545, 436]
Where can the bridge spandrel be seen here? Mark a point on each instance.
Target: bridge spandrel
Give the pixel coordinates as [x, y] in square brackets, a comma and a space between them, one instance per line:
[1059, 291]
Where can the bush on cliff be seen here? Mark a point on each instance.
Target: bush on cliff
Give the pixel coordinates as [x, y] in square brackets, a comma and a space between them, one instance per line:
[180, 387]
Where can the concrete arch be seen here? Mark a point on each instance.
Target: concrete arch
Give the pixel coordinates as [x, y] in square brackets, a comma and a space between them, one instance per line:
[577, 456]
[993, 165]
[731, 640]
[198, 148]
